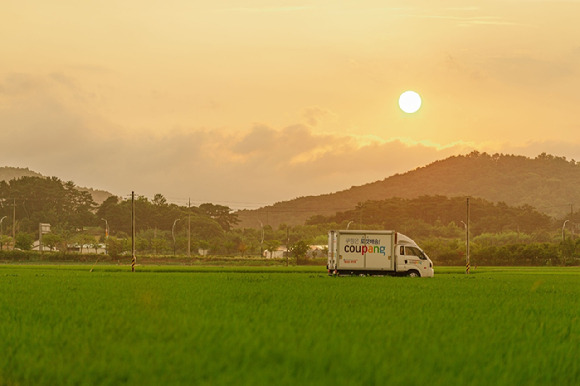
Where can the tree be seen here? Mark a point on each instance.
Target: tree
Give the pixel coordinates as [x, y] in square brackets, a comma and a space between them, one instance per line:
[242, 248]
[299, 250]
[4, 240]
[272, 246]
[116, 246]
[96, 245]
[84, 239]
[66, 234]
[203, 227]
[159, 200]
[203, 246]
[158, 244]
[221, 214]
[24, 241]
[567, 248]
[51, 240]
[47, 200]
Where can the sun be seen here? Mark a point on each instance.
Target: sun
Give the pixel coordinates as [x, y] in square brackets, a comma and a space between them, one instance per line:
[410, 102]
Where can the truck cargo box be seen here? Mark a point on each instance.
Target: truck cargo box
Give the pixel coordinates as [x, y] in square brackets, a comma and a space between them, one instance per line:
[376, 252]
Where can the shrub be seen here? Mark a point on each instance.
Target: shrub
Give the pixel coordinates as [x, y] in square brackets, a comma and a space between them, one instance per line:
[24, 241]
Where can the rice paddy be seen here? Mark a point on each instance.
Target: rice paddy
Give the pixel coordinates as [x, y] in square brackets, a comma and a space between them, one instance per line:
[249, 325]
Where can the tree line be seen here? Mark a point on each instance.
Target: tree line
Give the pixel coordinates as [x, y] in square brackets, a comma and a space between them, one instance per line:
[499, 233]
[76, 219]
[162, 228]
[432, 215]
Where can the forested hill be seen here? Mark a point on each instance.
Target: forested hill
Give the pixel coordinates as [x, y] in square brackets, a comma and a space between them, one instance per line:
[549, 184]
[8, 173]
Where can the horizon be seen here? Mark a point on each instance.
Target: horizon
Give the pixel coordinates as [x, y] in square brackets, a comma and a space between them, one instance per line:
[249, 106]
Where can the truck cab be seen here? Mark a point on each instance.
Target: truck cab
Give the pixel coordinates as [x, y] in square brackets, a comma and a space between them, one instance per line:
[411, 260]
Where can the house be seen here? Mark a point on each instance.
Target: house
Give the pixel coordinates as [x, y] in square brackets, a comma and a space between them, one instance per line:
[317, 251]
[279, 253]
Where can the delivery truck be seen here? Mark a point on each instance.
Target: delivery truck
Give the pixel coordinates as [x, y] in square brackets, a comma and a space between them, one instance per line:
[361, 252]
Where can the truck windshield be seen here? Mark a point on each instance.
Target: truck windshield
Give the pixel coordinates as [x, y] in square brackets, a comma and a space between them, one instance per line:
[412, 251]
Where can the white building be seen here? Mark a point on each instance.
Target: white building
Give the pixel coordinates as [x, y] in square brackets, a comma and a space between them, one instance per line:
[279, 253]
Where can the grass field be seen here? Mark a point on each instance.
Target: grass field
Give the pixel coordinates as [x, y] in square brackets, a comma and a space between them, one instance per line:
[64, 325]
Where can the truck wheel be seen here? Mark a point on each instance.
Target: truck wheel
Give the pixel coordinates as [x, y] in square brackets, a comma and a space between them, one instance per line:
[413, 274]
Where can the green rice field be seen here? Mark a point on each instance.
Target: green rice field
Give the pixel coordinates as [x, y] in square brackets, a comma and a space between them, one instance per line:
[65, 325]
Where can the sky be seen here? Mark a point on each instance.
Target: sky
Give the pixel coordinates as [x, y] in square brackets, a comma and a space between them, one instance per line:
[248, 103]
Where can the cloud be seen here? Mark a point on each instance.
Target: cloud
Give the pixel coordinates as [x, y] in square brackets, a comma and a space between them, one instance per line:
[462, 17]
[314, 114]
[527, 71]
[261, 164]
[258, 141]
[570, 150]
[272, 9]
[51, 131]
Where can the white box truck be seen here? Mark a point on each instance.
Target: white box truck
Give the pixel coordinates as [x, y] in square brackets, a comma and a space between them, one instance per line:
[360, 252]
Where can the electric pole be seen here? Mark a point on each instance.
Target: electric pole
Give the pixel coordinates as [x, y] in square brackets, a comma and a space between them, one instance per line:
[467, 237]
[134, 258]
[13, 224]
[189, 228]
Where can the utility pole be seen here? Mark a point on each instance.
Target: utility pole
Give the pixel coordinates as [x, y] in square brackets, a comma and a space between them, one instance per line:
[40, 238]
[106, 236]
[13, 224]
[1, 232]
[262, 239]
[467, 237]
[288, 245]
[134, 258]
[189, 228]
[572, 218]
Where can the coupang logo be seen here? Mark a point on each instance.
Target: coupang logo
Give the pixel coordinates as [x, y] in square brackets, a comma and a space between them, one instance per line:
[365, 246]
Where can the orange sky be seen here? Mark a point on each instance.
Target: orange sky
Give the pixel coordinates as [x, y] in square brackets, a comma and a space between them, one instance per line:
[248, 103]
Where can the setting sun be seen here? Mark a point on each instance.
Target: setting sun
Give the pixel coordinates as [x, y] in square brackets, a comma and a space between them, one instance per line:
[409, 102]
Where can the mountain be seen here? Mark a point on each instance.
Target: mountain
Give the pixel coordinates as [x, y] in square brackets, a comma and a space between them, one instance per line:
[548, 183]
[8, 173]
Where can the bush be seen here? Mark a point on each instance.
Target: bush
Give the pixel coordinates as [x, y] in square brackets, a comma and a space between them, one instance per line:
[24, 241]
[15, 255]
[115, 246]
[516, 254]
[299, 250]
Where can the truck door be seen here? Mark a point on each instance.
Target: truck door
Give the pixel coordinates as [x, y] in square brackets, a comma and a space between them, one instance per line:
[411, 258]
[332, 256]
[400, 253]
